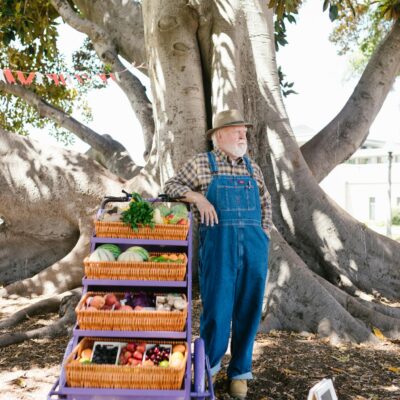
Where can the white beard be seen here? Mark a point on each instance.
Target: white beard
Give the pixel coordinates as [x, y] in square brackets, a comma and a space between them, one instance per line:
[238, 150]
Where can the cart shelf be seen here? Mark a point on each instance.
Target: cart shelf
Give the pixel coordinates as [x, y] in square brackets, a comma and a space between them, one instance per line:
[115, 282]
[122, 394]
[150, 242]
[131, 334]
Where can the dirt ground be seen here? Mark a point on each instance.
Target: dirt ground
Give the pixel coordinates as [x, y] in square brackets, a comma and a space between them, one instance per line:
[286, 366]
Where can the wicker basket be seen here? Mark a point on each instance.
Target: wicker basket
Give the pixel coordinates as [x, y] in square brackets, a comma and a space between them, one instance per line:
[136, 270]
[159, 232]
[116, 320]
[121, 376]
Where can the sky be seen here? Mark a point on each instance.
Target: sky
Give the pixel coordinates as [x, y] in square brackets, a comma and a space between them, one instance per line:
[320, 77]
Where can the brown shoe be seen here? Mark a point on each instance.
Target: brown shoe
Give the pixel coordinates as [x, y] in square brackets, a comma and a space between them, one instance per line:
[238, 388]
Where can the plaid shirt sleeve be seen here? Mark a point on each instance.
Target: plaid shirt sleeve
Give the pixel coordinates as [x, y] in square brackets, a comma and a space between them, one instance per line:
[265, 200]
[185, 180]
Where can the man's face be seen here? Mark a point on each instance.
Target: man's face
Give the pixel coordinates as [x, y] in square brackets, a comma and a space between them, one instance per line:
[232, 140]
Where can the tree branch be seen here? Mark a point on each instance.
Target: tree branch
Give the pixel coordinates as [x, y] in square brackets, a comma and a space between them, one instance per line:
[347, 131]
[114, 154]
[124, 25]
[108, 53]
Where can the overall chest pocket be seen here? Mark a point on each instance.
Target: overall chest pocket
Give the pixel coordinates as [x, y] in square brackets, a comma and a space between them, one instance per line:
[239, 197]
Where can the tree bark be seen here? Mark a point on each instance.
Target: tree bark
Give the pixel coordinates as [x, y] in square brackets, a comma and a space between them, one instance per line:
[108, 53]
[348, 130]
[176, 82]
[113, 154]
[49, 201]
[123, 22]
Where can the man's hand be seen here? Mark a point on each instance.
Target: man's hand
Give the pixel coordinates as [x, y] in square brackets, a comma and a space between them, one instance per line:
[208, 215]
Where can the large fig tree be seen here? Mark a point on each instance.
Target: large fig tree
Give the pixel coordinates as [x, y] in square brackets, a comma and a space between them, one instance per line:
[328, 272]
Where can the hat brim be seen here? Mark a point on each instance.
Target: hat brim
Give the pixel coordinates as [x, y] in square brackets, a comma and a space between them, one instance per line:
[239, 123]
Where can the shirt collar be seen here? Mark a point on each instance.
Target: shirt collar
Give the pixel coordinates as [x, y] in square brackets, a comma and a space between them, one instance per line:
[224, 157]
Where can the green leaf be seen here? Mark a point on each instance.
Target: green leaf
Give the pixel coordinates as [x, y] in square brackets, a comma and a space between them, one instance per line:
[333, 12]
[325, 6]
[139, 212]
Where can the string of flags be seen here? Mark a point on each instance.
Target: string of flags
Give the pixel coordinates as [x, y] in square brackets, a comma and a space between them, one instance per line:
[38, 78]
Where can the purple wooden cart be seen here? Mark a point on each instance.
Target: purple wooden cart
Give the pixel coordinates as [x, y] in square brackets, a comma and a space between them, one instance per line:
[197, 361]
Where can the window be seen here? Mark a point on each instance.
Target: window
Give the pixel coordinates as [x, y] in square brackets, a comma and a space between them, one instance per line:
[372, 208]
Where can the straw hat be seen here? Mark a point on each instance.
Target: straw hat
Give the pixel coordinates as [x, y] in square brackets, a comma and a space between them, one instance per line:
[227, 118]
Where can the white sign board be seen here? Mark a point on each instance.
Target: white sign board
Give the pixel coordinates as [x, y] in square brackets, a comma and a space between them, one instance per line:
[323, 390]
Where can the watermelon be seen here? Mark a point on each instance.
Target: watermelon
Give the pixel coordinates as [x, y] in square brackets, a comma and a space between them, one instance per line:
[139, 250]
[102, 255]
[111, 247]
[130, 256]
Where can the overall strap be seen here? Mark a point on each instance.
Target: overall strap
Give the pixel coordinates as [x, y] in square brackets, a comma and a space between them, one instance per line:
[248, 165]
[213, 163]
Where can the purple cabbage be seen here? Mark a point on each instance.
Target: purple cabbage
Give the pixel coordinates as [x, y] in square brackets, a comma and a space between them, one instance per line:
[142, 299]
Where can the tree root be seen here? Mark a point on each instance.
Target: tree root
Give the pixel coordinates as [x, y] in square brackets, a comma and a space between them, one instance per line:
[64, 275]
[366, 312]
[59, 328]
[48, 305]
[295, 300]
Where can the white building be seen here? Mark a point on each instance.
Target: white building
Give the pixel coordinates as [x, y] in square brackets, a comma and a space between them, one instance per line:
[361, 184]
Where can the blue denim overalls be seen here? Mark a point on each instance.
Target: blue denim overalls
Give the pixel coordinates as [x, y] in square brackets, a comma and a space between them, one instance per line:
[233, 262]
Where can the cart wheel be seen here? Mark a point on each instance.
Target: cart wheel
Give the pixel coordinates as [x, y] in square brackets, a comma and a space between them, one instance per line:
[199, 367]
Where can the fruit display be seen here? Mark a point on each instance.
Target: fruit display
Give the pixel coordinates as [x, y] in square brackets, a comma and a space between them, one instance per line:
[133, 301]
[174, 215]
[105, 353]
[132, 354]
[124, 312]
[134, 253]
[170, 302]
[112, 252]
[168, 257]
[115, 249]
[140, 212]
[157, 354]
[102, 255]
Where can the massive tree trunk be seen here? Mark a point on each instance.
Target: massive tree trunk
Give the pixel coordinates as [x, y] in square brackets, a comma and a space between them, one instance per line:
[239, 70]
[327, 271]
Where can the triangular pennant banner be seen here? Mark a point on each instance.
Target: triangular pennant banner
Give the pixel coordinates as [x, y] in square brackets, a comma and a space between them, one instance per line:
[9, 76]
[23, 80]
[82, 78]
[2, 78]
[104, 77]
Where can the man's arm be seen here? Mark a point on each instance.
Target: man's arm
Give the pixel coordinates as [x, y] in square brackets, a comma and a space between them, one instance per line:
[185, 183]
[265, 200]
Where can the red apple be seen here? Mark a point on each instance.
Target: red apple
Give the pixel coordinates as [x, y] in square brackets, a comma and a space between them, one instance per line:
[141, 347]
[131, 347]
[138, 355]
[111, 299]
[128, 354]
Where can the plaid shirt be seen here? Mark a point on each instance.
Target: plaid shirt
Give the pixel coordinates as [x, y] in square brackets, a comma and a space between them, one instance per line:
[195, 175]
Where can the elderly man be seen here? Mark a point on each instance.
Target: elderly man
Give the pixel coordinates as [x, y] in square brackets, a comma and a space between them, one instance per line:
[233, 208]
